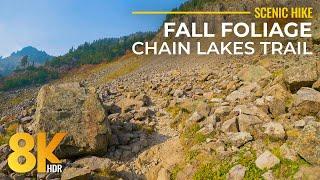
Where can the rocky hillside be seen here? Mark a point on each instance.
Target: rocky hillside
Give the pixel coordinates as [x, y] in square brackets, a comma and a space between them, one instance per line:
[179, 117]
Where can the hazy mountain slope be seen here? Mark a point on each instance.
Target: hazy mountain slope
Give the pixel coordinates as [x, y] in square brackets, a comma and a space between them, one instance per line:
[8, 64]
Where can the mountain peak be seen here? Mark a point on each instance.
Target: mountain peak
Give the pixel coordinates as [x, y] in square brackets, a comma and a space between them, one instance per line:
[26, 51]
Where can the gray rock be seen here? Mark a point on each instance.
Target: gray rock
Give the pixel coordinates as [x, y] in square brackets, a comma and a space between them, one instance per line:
[230, 125]
[143, 113]
[288, 153]
[300, 75]
[2, 129]
[76, 173]
[299, 124]
[316, 85]
[4, 177]
[307, 144]
[254, 74]
[26, 119]
[243, 93]
[308, 172]
[73, 109]
[274, 130]
[239, 139]
[178, 93]
[163, 174]
[196, 117]
[222, 111]
[247, 122]
[268, 175]
[266, 160]
[307, 101]
[95, 163]
[237, 172]
[4, 151]
[203, 109]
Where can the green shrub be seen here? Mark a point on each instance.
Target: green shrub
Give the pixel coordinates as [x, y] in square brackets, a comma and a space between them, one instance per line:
[26, 77]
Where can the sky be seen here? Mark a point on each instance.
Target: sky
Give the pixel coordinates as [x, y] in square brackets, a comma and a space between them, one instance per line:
[57, 25]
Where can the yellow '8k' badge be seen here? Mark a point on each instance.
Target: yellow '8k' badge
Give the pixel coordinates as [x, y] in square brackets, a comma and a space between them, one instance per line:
[44, 153]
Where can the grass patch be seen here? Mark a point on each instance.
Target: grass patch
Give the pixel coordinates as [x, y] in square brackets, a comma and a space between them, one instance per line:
[278, 73]
[106, 174]
[212, 170]
[174, 172]
[173, 110]
[289, 102]
[190, 136]
[287, 168]
[218, 169]
[179, 115]
[191, 155]
[124, 69]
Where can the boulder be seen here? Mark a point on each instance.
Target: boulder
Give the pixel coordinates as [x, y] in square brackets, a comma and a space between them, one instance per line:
[203, 109]
[316, 85]
[266, 160]
[288, 153]
[230, 125]
[4, 177]
[306, 101]
[196, 117]
[72, 173]
[254, 73]
[308, 172]
[252, 111]
[95, 163]
[300, 75]
[178, 93]
[222, 111]
[243, 93]
[237, 172]
[274, 130]
[4, 151]
[26, 119]
[299, 124]
[307, 144]
[268, 175]
[163, 174]
[128, 104]
[77, 111]
[277, 91]
[239, 139]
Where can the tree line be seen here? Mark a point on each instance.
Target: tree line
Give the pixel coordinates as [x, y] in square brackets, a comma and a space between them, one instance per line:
[106, 49]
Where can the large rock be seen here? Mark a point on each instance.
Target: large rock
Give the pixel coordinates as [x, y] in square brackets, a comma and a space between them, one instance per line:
[96, 164]
[250, 115]
[239, 139]
[316, 85]
[266, 160]
[300, 75]
[243, 93]
[307, 101]
[307, 144]
[254, 73]
[308, 172]
[237, 172]
[77, 111]
[72, 173]
[275, 130]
